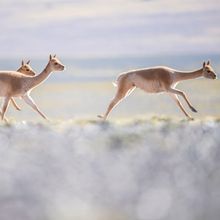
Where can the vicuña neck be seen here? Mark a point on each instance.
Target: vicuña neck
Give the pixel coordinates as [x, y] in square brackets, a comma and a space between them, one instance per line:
[38, 79]
[179, 76]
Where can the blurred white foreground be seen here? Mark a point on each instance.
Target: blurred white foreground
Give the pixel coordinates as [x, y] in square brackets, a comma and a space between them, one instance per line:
[87, 170]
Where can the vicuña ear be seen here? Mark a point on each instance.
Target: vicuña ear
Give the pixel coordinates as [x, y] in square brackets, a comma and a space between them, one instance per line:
[22, 62]
[50, 57]
[203, 64]
[54, 55]
[28, 62]
[208, 62]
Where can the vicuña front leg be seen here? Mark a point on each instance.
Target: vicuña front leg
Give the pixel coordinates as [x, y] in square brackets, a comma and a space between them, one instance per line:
[178, 92]
[176, 99]
[6, 120]
[4, 107]
[30, 101]
[15, 104]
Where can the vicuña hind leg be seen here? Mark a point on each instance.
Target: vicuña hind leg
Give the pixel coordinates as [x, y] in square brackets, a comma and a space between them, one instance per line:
[124, 89]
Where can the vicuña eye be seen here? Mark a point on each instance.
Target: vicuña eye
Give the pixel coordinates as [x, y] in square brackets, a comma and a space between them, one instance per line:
[208, 71]
[56, 63]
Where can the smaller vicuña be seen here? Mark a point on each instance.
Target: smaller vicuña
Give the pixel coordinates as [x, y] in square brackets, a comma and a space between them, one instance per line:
[15, 84]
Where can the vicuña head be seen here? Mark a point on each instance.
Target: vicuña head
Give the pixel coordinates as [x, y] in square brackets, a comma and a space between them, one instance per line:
[55, 64]
[208, 71]
[26, 69]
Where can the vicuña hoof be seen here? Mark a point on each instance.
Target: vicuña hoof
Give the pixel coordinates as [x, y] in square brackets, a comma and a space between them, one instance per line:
[193, 109]
[102, 117]
[190, 118]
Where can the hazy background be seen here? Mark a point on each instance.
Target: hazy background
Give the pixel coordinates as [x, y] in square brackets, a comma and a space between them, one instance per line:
[115, 28]
[146, 162]
[97, 40]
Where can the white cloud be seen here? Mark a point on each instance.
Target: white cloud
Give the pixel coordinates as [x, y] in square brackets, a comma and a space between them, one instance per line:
[39, 12]
[109, 28]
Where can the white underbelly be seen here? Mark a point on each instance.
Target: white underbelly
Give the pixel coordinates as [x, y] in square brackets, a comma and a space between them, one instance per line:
[174, 85]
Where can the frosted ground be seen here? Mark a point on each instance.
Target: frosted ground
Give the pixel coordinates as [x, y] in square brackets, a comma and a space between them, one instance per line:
[136, 169]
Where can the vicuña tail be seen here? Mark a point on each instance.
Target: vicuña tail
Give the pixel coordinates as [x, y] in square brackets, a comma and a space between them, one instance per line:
[115, 84]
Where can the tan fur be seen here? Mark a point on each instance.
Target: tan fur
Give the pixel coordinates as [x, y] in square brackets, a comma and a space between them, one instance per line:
[25, 69]
[14, 84]
[156, 80]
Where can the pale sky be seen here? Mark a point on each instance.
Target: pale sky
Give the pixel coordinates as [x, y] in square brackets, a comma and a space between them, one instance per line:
[109, 28]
